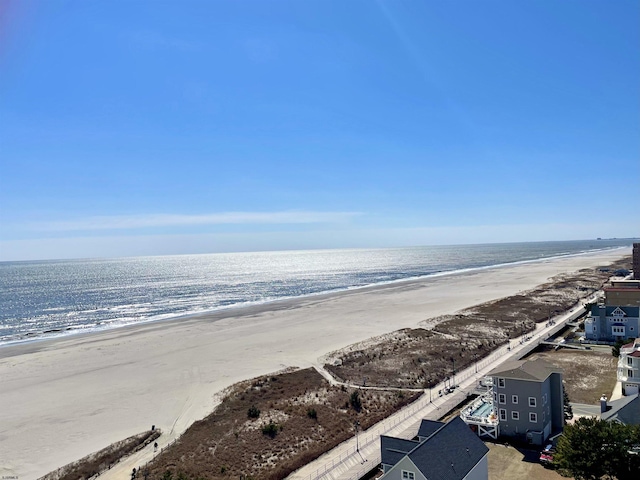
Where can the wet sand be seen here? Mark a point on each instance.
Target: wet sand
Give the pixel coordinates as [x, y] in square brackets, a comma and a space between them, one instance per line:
[64, 398]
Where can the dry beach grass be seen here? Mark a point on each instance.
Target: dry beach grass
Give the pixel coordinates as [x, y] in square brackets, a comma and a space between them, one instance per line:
[103, 387]
[421, 358]
[308, 415]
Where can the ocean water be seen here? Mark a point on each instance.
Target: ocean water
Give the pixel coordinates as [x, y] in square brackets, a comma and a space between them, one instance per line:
[49, 298]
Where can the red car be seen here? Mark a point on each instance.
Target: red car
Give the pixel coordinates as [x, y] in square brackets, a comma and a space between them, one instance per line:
[546, 456]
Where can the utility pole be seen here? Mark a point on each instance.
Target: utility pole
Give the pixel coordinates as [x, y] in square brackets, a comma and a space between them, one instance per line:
[454, 372]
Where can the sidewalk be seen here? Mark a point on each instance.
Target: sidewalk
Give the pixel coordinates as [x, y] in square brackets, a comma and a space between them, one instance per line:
[357, 456]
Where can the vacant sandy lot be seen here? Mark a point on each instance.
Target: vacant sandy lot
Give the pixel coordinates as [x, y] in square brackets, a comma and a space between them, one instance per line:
[587, 374]
[509, 463]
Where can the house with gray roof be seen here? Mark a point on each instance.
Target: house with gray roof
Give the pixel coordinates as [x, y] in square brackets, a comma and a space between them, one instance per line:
[529, 400]
[624, 410]
[526, 403]
[609, 323]
[441, 451]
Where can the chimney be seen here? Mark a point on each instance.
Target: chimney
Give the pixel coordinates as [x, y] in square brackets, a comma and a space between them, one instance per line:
[603, 403]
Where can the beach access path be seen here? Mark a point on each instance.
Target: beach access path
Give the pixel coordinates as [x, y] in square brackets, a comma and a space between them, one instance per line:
[64, 398]
[357, 456]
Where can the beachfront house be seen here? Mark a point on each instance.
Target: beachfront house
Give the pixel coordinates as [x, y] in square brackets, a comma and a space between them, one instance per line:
[617, 317]
[609, 323]
[629, 368]
[526, 403]
[441, 450]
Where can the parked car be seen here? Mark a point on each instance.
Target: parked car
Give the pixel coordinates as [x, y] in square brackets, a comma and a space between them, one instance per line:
[546, 455]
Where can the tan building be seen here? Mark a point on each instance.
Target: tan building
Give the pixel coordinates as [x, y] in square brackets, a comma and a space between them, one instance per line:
[622, 293]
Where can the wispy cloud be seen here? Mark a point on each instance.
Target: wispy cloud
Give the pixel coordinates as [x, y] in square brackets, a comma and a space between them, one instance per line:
[126, 222]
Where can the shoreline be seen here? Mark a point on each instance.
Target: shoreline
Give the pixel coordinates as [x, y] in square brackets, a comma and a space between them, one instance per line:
[238, 309]
[65, 397]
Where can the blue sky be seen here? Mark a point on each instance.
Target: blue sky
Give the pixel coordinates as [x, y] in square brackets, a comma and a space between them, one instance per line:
[161, 127]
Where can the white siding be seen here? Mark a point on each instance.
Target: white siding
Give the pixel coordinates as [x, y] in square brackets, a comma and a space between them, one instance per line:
[395, 473]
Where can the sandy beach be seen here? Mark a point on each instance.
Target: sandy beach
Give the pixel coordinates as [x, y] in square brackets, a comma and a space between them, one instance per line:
[64, 398]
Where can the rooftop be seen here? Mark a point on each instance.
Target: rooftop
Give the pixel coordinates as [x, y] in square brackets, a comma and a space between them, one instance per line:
[450, 452]
[624, 410]
[534, 370]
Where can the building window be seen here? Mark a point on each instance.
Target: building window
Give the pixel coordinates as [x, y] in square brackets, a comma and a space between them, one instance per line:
[408, 475]
[515, 415]
[544, 399]
[532, 401]
[514, 399]
[502, 398]
[629, 361]
[618, 330]
[533, 417]
[501, 382]
[629, 373]
[503, 414]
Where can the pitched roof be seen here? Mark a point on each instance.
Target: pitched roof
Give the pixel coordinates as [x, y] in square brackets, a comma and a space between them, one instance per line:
[429, 427]
[628, 310]
[450, 453]
[624, 410]
[536, 370]
[395, 449]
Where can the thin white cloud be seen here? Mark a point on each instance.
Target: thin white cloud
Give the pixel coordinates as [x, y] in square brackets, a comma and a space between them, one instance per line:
[125, 222]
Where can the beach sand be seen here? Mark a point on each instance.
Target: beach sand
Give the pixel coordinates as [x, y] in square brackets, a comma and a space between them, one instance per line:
[64, 398]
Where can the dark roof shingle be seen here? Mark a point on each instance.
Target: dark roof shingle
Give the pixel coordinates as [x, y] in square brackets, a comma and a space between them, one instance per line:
[450, 453]
[624, 410]
[395, 449]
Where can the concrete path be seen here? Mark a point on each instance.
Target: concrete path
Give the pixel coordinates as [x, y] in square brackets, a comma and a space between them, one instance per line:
[617, 392]
[585, 410]
[357, 456]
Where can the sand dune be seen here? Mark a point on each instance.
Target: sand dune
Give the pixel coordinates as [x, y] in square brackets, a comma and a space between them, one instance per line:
[62, 399]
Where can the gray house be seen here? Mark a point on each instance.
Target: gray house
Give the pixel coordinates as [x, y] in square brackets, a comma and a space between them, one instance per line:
[624, 410]
[528, 400]
[442, 451]
[609, 323]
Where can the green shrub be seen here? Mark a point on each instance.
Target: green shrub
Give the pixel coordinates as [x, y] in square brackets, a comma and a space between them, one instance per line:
[253, 412]
[270, 429]
[355, 401]
[311, 413]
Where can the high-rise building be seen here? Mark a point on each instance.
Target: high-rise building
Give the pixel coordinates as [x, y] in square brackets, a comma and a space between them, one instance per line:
[636, 261]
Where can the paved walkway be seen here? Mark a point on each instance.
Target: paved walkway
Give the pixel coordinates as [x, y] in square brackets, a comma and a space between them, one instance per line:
[352, 459]
[357, 456]
[617, 392]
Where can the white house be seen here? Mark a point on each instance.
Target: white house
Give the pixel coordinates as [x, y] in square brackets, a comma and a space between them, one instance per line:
[629, 368]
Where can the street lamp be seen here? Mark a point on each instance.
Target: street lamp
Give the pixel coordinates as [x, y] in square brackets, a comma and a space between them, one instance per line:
[454, 372]
[475, 356]
[357, 424]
